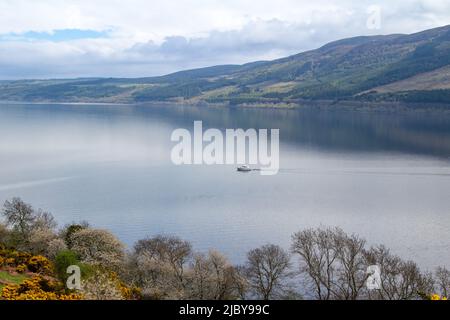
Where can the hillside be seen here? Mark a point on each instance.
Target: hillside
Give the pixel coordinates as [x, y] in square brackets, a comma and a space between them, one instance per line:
[412, 68]
[438, 79]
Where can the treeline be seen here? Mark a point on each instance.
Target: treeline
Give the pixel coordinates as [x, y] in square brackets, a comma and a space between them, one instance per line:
[413, 96]
[324, 263]
[180, 89]
[61, 92]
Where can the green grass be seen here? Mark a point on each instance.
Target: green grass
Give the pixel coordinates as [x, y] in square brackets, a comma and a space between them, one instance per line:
[14, 279]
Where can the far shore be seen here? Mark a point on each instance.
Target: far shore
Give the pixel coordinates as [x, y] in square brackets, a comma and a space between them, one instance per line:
[323, 105]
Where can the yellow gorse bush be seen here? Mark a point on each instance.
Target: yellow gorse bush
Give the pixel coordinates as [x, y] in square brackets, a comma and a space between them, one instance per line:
[37, 288]
[128, 293]
[435, 297]
[40, 287]
[39, 264]
[21, 268]
[24, 261]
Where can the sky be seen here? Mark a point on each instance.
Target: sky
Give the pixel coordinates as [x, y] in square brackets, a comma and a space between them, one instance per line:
[41, 39]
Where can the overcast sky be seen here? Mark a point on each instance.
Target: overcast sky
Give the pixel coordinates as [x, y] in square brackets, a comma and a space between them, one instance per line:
[134, 38]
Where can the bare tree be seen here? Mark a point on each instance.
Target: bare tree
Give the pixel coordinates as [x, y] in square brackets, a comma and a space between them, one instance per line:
[212, 277]
[42, 233]
[331, 262]
[400, 280]
[267, 268]
[317, 256]
[20, 216]
[171, 250]
[159, 264]
[44, 220]
[31, 229]
[240, 282]
[351, 270]
[442, 281]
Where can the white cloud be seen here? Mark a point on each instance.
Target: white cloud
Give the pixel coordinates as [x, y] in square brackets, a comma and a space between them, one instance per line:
[155, 37]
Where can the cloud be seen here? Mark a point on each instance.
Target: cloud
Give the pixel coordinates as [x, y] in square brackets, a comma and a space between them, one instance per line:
[144, 38]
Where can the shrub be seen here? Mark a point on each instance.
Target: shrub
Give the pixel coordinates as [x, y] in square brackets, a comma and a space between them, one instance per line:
[39, 264]
[103, 284]
[39, 240]
[55, 247]
[22, 261]
[98, 247]
[63, 260]
[4, 235]
[69, 230]
[67, 258]
[437, 297]
[37, 288]
[13, 258]
[21, 268]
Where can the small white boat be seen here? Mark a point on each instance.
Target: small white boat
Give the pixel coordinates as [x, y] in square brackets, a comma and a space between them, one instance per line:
[244, 169]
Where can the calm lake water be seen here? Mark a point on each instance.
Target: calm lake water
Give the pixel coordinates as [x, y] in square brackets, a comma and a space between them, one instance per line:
[384, 176]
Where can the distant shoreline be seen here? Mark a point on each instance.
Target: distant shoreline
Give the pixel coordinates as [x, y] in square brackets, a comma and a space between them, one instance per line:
[324, 105]
[65, 103]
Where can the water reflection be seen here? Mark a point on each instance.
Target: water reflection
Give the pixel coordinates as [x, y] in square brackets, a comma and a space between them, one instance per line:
[385, 176]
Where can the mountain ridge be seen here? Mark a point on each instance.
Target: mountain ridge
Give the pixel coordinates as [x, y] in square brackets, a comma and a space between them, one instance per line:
[396, 67]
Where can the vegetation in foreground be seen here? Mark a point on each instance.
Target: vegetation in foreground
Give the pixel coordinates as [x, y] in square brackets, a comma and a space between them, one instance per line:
[324, 264]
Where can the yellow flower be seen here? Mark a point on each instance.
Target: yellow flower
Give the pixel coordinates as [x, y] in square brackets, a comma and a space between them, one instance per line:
[36, 288]
[437, 297]
[21, 268]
